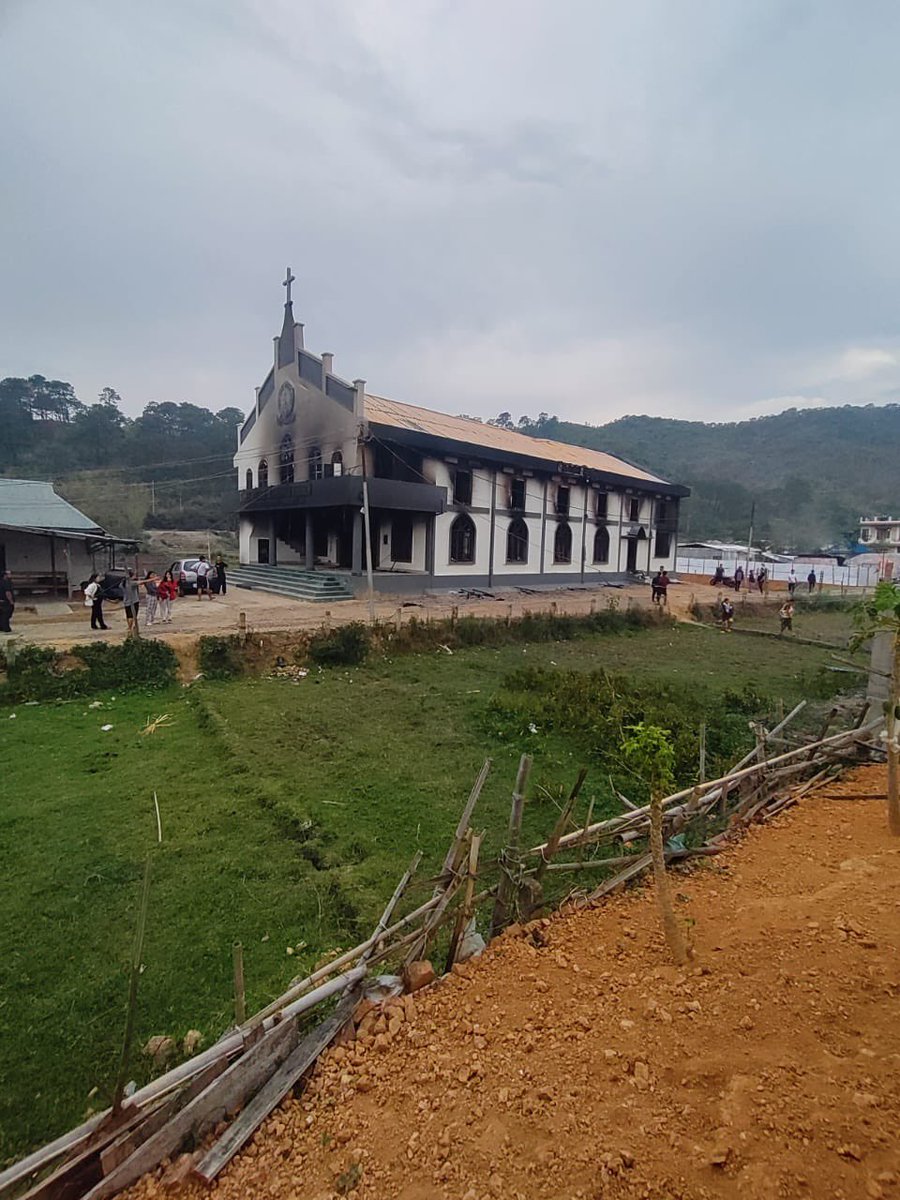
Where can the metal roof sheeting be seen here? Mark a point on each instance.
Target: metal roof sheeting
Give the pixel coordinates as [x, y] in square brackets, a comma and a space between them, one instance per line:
[381, 411]
[32, 504]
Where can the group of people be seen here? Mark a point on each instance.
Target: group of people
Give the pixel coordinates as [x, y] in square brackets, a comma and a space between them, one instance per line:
[785, 614]
[811, 580]
[757, 578]
[659, 587]
[211, 577]
[159, 593]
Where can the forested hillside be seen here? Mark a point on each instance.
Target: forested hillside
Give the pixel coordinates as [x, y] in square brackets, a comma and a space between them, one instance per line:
[812, 473]
[168, 468]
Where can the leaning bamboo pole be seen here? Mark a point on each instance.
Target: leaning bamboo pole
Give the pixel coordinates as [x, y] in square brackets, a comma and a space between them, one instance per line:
[614, 825]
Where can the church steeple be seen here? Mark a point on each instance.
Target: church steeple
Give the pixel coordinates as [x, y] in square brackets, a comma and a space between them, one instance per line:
[288, 342]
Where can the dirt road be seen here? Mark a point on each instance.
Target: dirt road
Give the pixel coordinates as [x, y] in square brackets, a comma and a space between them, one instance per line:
[573, 1061]
[65, 625]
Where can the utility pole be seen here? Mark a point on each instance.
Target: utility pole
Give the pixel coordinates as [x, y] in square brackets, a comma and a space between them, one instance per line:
[750, 534]
[153, 496]
[368, 531]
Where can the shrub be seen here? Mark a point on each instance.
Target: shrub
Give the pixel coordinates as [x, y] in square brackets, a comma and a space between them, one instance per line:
[346, 646]
[596, 708]
[42, 673]
[219, 657]
[36, 673]
[136, 662]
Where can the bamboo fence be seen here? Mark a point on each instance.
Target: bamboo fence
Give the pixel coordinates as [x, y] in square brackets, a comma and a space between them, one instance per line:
[255, 1064]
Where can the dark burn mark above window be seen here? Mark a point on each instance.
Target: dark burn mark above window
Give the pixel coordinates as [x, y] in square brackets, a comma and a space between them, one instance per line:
[462, 486]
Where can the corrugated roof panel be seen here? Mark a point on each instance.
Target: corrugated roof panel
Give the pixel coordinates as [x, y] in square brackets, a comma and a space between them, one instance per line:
[33, 503]
[464, 429]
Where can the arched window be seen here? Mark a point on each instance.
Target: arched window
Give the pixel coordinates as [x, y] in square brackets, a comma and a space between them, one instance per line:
[562, 543]
[462, 540]
[337, 463]
[601, 544]
[315, 463]
[286, 459]
[517, 542]
[249, 483]
[263, 473]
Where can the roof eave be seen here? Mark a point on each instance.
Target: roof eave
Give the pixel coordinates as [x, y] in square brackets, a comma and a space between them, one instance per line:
[430, 441]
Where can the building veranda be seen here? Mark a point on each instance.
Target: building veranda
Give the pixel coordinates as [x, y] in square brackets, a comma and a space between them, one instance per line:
[453, 502]
[48, 545]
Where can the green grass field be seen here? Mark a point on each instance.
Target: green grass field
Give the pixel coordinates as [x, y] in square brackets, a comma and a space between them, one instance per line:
[288, 812]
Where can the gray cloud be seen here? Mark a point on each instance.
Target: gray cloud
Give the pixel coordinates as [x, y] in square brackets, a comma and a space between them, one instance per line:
[590, 209]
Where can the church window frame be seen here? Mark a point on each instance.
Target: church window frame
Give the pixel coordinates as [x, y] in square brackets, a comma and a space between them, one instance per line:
[462, 539]
[562, 543]
[517, 542]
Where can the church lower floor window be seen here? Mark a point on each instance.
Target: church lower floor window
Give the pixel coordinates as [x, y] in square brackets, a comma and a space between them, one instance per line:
[601, 545]
[462, 540]
[562, 544]
[517, 542]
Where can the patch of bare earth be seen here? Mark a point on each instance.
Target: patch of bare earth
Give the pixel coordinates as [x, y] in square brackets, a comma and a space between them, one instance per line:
[573, 1061]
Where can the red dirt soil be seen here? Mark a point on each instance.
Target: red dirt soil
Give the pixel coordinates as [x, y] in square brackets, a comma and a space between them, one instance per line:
[572, 1060]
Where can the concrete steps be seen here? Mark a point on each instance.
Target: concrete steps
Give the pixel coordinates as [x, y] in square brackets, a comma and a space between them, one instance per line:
[296, 582]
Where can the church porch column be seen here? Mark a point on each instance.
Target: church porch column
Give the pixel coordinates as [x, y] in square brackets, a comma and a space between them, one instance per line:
[310, 547]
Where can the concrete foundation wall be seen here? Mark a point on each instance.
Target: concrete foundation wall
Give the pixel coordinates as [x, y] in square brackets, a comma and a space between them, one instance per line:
[407, 585]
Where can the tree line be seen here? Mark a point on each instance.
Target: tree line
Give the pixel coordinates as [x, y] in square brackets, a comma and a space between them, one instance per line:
[807, 475]
[171, 467]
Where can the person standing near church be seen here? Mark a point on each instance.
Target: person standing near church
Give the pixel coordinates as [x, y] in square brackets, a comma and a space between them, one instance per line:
[93, 599]
[202, 570]
[218, 571]
[131, 599]
[7, 602]
[786, 616]
[151, 587]
[167, 590]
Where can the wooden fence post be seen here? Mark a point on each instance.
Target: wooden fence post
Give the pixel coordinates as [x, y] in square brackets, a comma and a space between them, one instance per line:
[702, 774]
[510, 856]
[464, 915]
[136, 967]
[240, 998]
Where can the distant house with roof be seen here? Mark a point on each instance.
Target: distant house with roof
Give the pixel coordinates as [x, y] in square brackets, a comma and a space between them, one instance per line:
[47, 543]
[452, 502]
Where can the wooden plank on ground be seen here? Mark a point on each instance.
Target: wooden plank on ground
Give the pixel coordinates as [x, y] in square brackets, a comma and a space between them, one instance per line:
[83, 1169]
[217, 1101]
[273, 1092]
[619, 880]
[126, 1144]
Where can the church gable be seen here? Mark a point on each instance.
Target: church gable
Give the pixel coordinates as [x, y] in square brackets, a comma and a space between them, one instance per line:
[304, 414]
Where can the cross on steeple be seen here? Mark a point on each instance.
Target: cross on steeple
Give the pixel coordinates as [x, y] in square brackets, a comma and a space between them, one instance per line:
[286, 283]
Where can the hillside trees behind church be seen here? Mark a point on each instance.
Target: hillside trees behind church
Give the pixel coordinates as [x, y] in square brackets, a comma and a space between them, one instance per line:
[104, 462]
[812, 473]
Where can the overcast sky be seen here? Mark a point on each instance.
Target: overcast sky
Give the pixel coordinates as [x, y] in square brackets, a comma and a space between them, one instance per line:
[672, 207]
